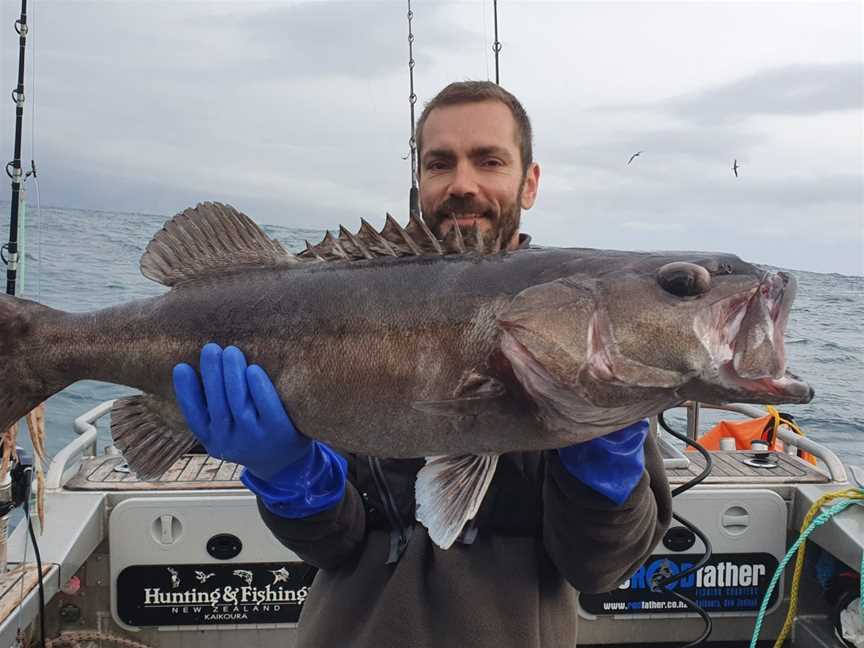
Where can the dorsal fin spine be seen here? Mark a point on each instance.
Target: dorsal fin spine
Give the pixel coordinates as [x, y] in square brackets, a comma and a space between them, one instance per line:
[334, 244]
[409, 241]
[357, 242]
[418, 223]
[372, 233]
[158, 256]
[188, 224]
[311, 250]
[460, 243]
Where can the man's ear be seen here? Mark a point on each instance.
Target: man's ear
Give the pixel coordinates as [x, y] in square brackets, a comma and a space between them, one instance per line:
[529, 189]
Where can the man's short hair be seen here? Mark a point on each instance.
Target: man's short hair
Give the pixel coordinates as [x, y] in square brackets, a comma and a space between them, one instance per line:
[463, 92]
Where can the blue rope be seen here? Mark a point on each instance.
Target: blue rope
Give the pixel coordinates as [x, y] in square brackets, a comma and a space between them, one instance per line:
[818, 521]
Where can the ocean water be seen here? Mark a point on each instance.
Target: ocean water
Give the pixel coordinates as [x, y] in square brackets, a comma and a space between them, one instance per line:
[79, 260]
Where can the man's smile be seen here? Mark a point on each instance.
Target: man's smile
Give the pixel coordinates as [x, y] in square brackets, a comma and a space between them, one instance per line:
[466, 220]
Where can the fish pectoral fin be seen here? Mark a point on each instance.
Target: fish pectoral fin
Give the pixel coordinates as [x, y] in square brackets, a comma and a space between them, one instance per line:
[150, 433]
[449, 491]
[474, 395]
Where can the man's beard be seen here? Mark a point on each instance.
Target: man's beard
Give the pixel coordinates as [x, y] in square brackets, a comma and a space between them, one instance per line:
[502, 227]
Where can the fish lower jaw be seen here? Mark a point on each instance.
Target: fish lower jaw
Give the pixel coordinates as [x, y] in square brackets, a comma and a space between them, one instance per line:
[768, 390]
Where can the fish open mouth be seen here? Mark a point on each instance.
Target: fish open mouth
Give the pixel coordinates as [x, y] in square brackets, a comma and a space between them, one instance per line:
[744, 335]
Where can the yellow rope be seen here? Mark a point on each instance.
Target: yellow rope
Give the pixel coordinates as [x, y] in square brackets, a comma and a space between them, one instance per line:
[36, 427]
[779, 420]
[775, 414]
[851, 493]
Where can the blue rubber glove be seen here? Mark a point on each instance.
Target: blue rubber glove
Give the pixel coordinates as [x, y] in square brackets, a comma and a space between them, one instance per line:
[238, 416]
[612, 464]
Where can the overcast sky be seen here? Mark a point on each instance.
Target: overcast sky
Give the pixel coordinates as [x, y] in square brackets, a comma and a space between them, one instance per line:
[297, 113]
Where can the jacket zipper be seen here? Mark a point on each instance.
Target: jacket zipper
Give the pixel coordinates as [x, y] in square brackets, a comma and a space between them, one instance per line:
[400, 541]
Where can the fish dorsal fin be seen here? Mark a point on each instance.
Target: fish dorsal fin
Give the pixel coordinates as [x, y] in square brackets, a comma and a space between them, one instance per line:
[206, 240]
[416, 239]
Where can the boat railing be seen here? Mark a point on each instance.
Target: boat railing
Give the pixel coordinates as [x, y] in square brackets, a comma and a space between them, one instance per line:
[66, 461]
[833, 463]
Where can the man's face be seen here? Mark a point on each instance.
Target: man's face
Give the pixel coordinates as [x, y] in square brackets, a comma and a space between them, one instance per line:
[471, 169]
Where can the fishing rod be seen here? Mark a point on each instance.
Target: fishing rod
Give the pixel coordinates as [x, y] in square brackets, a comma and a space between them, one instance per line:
[9, 251]
[413, 194]
[496, 47]
[15, 488]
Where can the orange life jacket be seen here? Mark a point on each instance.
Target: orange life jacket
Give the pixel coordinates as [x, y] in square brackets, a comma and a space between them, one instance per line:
[748, 430]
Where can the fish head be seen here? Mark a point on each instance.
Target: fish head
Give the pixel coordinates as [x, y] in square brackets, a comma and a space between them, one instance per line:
[667, 327]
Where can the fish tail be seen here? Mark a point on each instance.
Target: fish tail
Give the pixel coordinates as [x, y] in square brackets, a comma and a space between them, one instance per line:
[23, 385]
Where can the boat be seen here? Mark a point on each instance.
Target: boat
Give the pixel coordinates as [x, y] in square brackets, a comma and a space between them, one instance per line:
[184, 559]
[167, 562]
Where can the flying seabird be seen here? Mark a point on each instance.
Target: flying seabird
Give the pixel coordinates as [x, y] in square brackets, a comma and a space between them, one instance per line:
[635, 155]
[735, 167]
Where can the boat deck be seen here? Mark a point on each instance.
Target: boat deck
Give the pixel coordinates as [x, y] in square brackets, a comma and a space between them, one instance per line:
[16, 584]
[190, 472]
[196, 472]
[733, 468]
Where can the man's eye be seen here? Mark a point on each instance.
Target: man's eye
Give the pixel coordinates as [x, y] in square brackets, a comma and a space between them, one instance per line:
[492, 162]
[436, 165]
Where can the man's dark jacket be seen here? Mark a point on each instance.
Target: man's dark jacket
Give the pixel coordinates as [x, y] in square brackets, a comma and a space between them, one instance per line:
[541, 535]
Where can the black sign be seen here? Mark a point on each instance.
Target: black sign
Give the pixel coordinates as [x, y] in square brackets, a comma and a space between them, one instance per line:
[212, 594]
[726, 583]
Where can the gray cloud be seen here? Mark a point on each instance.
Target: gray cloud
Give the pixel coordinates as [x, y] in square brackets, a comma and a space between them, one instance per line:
[790, 90]
[803, 89]
[86, 187]
[818, 237]
[342, 39]
[297, 113]
[660, 147]
[719, 189]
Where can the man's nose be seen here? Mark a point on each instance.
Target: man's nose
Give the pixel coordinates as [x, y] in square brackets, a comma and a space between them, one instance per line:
[464, 181]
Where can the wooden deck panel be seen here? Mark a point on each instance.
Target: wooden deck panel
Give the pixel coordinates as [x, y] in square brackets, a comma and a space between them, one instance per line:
[15, 585]
[200, 472]
[225, 471]
[729, 468]
[101, 470]
[210, 469]
[174, 472]
[733, 466]
[190, 472]
[193, 468]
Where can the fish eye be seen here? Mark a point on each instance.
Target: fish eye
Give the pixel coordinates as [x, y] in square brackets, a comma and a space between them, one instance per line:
[684, 279]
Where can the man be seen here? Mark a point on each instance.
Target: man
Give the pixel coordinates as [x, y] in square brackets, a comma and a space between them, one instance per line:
[554, 522]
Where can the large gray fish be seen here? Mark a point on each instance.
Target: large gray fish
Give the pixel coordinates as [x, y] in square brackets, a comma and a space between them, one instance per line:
[396, 344]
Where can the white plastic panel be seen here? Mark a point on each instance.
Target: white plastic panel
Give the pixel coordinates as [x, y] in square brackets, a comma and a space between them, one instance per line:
[168, 579]
[747, 531]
